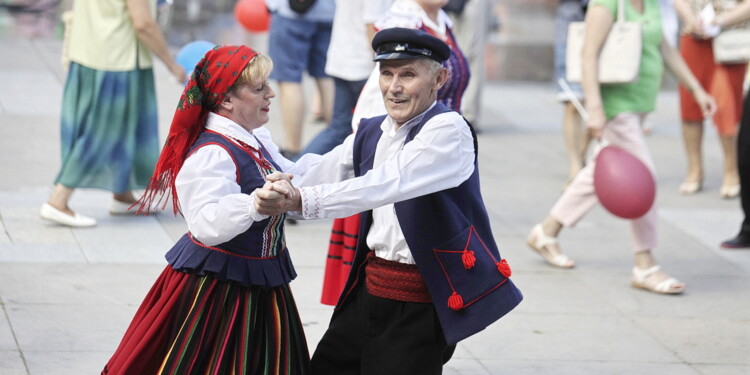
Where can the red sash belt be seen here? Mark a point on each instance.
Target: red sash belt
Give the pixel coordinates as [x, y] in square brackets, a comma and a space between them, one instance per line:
[394, 280]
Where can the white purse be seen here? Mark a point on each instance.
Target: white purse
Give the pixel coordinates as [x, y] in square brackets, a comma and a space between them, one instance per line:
[619, 58]
[732, 46]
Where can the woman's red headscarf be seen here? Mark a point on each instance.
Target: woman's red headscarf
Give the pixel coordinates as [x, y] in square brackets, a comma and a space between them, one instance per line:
[217, 71]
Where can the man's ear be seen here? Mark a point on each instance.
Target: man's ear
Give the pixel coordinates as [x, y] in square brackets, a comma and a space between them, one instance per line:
[441, 78]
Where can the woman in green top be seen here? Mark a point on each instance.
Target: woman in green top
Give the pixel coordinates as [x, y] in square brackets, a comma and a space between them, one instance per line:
[615, 114]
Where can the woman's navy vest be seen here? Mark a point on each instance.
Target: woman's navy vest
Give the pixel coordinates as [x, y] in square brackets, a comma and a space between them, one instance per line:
[256, 257]
[449, 235]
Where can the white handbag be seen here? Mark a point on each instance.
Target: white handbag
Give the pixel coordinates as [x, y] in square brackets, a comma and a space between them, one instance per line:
[619, 58]
[732, 46]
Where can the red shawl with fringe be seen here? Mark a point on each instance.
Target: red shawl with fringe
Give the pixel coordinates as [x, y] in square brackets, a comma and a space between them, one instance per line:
[217, 71]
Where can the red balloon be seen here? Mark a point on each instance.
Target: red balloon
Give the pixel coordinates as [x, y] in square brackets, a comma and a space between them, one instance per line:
[623, 183]
[252, 15]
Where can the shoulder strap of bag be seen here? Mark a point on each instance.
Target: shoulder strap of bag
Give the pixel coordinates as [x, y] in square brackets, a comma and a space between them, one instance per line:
[620, 10]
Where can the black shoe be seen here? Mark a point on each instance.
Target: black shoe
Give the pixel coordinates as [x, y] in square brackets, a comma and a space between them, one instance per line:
[739, 242]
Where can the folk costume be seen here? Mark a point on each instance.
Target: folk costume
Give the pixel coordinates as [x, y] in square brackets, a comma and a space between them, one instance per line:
[223, 304]
[426, 271]
[444, 267]
[407, 14]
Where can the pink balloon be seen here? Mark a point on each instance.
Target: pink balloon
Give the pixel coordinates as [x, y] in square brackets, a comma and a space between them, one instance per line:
[623, 183]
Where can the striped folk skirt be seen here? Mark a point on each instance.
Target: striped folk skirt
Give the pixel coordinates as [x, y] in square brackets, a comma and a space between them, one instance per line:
[190, 324]
[341, 248]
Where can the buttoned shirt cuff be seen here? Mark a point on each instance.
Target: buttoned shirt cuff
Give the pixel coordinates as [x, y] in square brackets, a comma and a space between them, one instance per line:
[311, 207]
[251, 210]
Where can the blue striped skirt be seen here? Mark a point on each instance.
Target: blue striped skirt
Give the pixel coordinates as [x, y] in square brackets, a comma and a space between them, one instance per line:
[109, 129]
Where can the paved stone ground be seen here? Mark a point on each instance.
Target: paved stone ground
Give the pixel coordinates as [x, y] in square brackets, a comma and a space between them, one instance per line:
[67, 294]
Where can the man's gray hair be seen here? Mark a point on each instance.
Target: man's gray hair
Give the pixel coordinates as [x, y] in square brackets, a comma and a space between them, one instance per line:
[433, 65]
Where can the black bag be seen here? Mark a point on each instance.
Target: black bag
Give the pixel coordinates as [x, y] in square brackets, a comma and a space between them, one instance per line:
[301, 6]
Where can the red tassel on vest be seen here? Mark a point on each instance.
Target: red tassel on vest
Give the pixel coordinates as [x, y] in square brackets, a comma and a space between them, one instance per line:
[468, 259]
[504, 268]
[455, 302]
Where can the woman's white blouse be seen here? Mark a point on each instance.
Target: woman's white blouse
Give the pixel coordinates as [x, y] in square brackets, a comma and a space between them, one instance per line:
[210, 199]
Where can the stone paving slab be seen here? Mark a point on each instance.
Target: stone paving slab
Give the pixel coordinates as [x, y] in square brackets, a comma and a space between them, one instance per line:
[703, 340]
[720, 369]
[28, 83]
[576, 337]
[79, 283]
[11, 363]
[65, 362]
[7, 343]
[534, 367]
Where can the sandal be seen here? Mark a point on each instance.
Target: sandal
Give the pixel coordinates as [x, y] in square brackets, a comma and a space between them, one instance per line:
[538, 241]
[690, 188]
[641, 277]
[690, 185]
[729, 191]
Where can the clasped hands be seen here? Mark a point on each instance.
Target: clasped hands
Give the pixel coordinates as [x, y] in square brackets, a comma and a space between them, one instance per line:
[277, 195]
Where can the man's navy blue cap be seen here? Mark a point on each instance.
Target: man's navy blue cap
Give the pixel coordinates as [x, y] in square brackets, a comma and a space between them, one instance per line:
[399, 43]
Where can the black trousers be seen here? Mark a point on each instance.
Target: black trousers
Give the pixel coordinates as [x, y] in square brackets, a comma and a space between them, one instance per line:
[743, 164]
[377, 336]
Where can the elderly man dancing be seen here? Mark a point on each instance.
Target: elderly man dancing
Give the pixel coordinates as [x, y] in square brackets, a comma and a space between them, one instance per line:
[427, 272]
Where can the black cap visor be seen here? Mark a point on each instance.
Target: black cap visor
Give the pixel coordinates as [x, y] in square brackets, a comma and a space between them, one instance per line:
[399, 56]
[402, 51]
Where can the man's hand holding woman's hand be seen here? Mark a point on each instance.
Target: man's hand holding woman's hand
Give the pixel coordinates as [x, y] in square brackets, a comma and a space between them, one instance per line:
[278, 195]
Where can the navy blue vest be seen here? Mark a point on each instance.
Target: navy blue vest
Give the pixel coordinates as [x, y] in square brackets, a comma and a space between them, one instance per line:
[449, 235]
[256, 257]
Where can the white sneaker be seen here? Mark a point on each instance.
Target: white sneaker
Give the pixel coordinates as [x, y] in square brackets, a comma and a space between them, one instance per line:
[54, 215]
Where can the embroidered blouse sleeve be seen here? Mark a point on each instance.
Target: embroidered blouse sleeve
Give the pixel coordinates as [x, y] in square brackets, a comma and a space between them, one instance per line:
[440, 157]
[210, 199]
